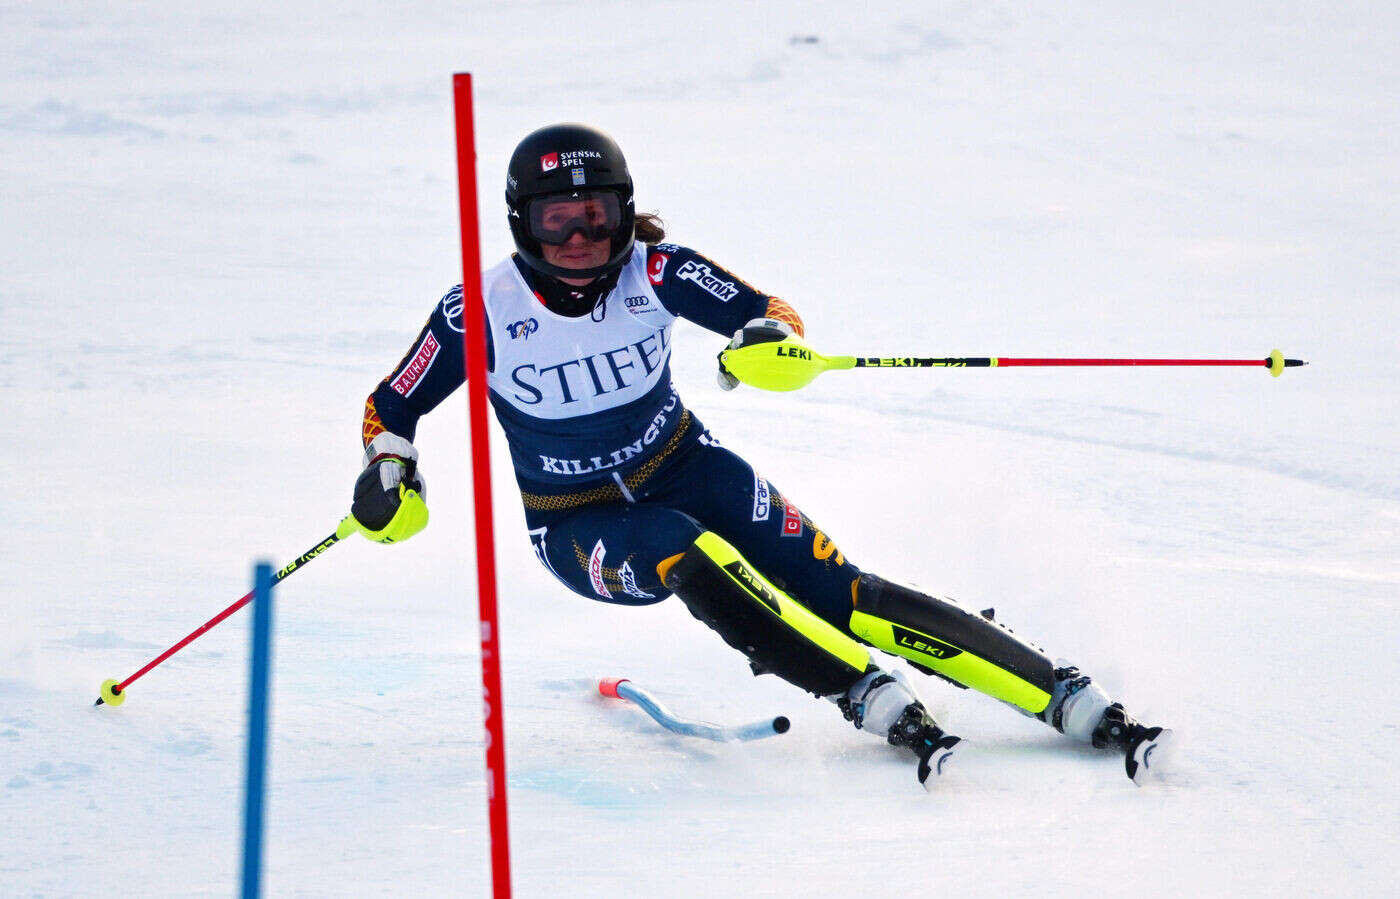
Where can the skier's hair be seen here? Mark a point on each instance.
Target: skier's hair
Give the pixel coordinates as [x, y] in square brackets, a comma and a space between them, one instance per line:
[649, 228]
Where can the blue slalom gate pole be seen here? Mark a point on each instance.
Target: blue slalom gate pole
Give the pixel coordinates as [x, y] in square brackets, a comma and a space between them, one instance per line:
[259, 676]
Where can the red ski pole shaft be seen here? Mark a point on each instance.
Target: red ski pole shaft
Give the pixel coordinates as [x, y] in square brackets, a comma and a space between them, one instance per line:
[1274, 362]
[112, 689]
[1003, 361]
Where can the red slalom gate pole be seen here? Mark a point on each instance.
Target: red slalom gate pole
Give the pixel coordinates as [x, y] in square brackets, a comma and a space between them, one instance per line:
[474, 337]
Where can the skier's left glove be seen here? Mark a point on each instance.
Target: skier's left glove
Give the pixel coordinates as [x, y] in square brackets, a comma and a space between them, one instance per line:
[758, 330]
[389, 504]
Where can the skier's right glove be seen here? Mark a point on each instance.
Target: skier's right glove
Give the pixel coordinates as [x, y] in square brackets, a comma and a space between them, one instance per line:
[389, 504]
[758, 330]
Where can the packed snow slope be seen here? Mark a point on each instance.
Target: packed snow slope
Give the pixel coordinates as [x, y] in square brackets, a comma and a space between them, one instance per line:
[220, 225]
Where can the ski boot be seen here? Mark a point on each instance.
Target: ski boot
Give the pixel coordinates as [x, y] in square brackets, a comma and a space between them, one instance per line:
[883, 703]
[1079, 708]
[1145, 749]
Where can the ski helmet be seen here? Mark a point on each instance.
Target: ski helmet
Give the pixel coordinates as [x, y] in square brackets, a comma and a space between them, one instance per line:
[570, 162]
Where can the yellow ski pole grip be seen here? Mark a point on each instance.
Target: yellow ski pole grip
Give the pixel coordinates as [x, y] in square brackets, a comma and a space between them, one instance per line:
[781, 365]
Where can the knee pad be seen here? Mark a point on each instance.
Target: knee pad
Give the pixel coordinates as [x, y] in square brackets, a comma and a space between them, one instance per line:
[942, 638]
[776, 632]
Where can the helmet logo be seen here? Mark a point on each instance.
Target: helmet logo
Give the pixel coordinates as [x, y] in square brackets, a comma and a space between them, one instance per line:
[579, 157]
[551, 161]
[578, 177]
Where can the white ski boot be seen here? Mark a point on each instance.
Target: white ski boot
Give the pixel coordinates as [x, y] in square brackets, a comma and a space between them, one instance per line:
[885, 704]
[1079, 708]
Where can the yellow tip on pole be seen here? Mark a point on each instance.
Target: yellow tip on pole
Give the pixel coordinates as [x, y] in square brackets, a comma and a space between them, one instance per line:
[1276, 363]
[109, 693]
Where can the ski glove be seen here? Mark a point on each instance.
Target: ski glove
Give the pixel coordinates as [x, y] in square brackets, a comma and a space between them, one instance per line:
[389, 504]
[758, 330]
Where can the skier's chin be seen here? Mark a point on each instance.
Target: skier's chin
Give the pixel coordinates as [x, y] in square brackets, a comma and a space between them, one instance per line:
[580, 263]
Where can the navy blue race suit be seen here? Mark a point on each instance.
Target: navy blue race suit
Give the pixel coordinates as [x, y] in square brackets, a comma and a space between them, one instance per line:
[602, 521]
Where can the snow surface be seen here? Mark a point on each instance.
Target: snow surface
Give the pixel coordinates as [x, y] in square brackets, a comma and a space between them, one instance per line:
[221, 224]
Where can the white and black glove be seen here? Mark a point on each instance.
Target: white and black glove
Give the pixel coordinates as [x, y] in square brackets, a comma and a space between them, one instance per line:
[758, 330]
[389, 504]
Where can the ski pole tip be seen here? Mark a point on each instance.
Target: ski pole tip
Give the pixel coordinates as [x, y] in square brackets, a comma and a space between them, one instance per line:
[1276, 363]
[608, 686]
[110, 693]
[781, 724]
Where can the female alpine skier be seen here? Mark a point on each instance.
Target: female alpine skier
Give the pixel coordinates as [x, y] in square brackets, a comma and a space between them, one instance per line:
[627, 497]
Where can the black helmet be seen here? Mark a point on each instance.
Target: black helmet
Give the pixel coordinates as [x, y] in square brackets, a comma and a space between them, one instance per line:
[570, 162]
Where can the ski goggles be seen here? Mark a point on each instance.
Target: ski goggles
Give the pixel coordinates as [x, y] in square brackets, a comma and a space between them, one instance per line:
[554, 218]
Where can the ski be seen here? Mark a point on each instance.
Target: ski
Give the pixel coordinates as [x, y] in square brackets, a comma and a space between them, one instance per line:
[1149, 755]
[1146, 750]
[622, 688]
[933, 757]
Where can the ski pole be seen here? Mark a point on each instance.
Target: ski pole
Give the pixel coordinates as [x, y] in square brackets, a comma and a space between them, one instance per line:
[622, 688]
[113, 692]
[790, 364]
